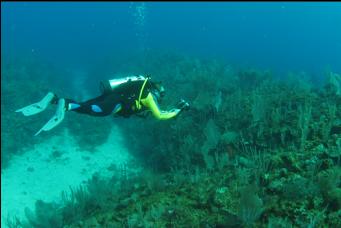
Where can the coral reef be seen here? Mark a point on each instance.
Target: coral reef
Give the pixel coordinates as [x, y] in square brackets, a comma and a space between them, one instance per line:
[253, 151]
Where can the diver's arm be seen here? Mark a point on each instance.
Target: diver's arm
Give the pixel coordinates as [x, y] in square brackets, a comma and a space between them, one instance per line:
[151, 104]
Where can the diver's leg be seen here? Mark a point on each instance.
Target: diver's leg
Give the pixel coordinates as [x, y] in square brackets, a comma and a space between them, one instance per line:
[63, 105]
[99, 106]
[103, 105]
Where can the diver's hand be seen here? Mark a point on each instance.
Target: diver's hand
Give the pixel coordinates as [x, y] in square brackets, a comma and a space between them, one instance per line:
[183, 105]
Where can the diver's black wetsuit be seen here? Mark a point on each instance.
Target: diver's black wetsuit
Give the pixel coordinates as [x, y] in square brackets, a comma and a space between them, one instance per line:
[122, 98]
[102, 105]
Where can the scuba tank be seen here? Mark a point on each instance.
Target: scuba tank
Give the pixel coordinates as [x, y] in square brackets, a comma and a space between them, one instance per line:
[108, 86]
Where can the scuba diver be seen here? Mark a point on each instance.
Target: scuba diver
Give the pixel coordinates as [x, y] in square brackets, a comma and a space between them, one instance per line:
[124, 97]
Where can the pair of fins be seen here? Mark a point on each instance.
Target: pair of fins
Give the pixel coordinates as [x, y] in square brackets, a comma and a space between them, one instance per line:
[41, 106]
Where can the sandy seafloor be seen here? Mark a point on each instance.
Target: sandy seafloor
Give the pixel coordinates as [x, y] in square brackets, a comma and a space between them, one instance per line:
[35, 175]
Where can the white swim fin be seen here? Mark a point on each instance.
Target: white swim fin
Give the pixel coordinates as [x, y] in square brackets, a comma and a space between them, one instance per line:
[37, 107]
[56, 119]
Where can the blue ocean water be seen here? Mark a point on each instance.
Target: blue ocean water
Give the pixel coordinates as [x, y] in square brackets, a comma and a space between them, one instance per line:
[281, 36]
[249, 150]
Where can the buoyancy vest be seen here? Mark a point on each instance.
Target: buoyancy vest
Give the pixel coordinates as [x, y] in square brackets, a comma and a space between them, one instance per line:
[131, 89]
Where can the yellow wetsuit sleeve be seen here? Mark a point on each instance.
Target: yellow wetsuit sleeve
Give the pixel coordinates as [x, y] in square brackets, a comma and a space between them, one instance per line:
[151, 104]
